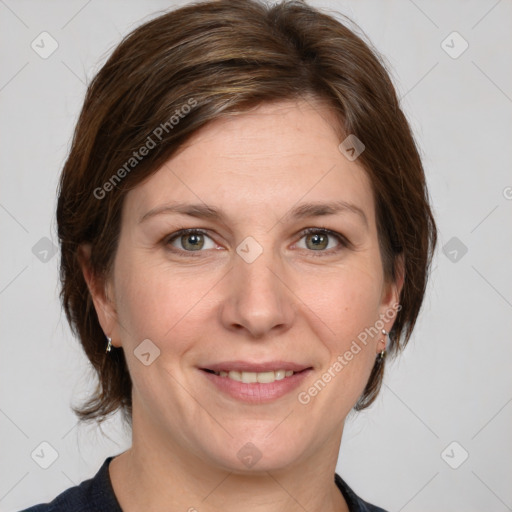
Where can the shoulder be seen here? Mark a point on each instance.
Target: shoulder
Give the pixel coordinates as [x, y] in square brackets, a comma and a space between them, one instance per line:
[354, 502]
[95, 494]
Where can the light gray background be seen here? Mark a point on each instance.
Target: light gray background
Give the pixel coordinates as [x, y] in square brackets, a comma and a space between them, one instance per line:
[453, 383]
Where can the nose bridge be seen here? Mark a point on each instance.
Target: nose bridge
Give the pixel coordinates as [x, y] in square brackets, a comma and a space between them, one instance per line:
[258, 299]
[256, 266]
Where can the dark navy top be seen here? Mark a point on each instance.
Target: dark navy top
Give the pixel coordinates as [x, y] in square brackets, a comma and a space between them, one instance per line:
[97, 495]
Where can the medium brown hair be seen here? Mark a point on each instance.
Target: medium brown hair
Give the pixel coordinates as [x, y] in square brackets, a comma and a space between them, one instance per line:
[226, 57]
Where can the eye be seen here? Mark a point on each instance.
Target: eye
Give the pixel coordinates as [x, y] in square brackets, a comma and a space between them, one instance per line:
[317, 239]
[190, 240]
[194, 240]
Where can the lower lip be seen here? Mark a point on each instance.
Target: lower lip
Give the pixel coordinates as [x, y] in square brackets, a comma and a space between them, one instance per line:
[257, 392]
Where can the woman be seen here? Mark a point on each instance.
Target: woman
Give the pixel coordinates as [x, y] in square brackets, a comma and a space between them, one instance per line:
[246, 235]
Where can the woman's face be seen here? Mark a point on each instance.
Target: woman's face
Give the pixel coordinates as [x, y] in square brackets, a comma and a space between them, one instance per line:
[250, 293]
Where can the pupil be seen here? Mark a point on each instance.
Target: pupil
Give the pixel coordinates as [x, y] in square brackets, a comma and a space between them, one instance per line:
[318, 239]
[193, 241]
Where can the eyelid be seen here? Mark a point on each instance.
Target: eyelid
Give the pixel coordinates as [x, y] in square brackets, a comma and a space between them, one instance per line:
[343, 241]
[180, 232]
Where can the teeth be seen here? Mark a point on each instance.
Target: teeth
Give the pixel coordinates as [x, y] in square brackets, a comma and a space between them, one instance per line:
[251, 377]
[280, 374]
[235, 376]
[266, 377]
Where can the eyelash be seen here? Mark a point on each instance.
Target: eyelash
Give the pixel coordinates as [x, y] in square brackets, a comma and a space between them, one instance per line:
[344, 243]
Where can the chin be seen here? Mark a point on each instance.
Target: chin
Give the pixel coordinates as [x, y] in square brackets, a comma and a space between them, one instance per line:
[259, 454]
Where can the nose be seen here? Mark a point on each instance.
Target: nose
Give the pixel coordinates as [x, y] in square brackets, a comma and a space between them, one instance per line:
[258, 298]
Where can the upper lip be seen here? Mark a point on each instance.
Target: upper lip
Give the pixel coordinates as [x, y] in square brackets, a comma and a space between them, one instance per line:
[246, 366]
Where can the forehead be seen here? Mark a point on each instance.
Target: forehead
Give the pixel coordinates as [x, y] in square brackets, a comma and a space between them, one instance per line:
[266, 160]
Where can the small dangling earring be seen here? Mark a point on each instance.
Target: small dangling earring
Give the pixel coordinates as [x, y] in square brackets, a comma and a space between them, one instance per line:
[109, 345]
[383, 353]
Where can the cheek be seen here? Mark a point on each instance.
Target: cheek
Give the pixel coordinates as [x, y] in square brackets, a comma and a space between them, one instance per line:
[345, 300]
[158, 302]
[344, 307]
[165, 303]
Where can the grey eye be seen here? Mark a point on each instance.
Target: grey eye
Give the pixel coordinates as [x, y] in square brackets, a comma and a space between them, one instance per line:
[192, 241]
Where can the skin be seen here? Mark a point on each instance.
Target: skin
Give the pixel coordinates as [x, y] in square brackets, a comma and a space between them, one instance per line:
[293, 303]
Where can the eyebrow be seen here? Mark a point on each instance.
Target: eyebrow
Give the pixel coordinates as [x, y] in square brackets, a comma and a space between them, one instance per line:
[302, 211]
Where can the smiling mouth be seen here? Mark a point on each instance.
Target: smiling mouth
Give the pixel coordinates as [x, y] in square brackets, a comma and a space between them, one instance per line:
[253, 377]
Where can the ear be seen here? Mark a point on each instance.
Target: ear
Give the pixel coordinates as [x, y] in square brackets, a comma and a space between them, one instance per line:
[101, 293]
[391, 294]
